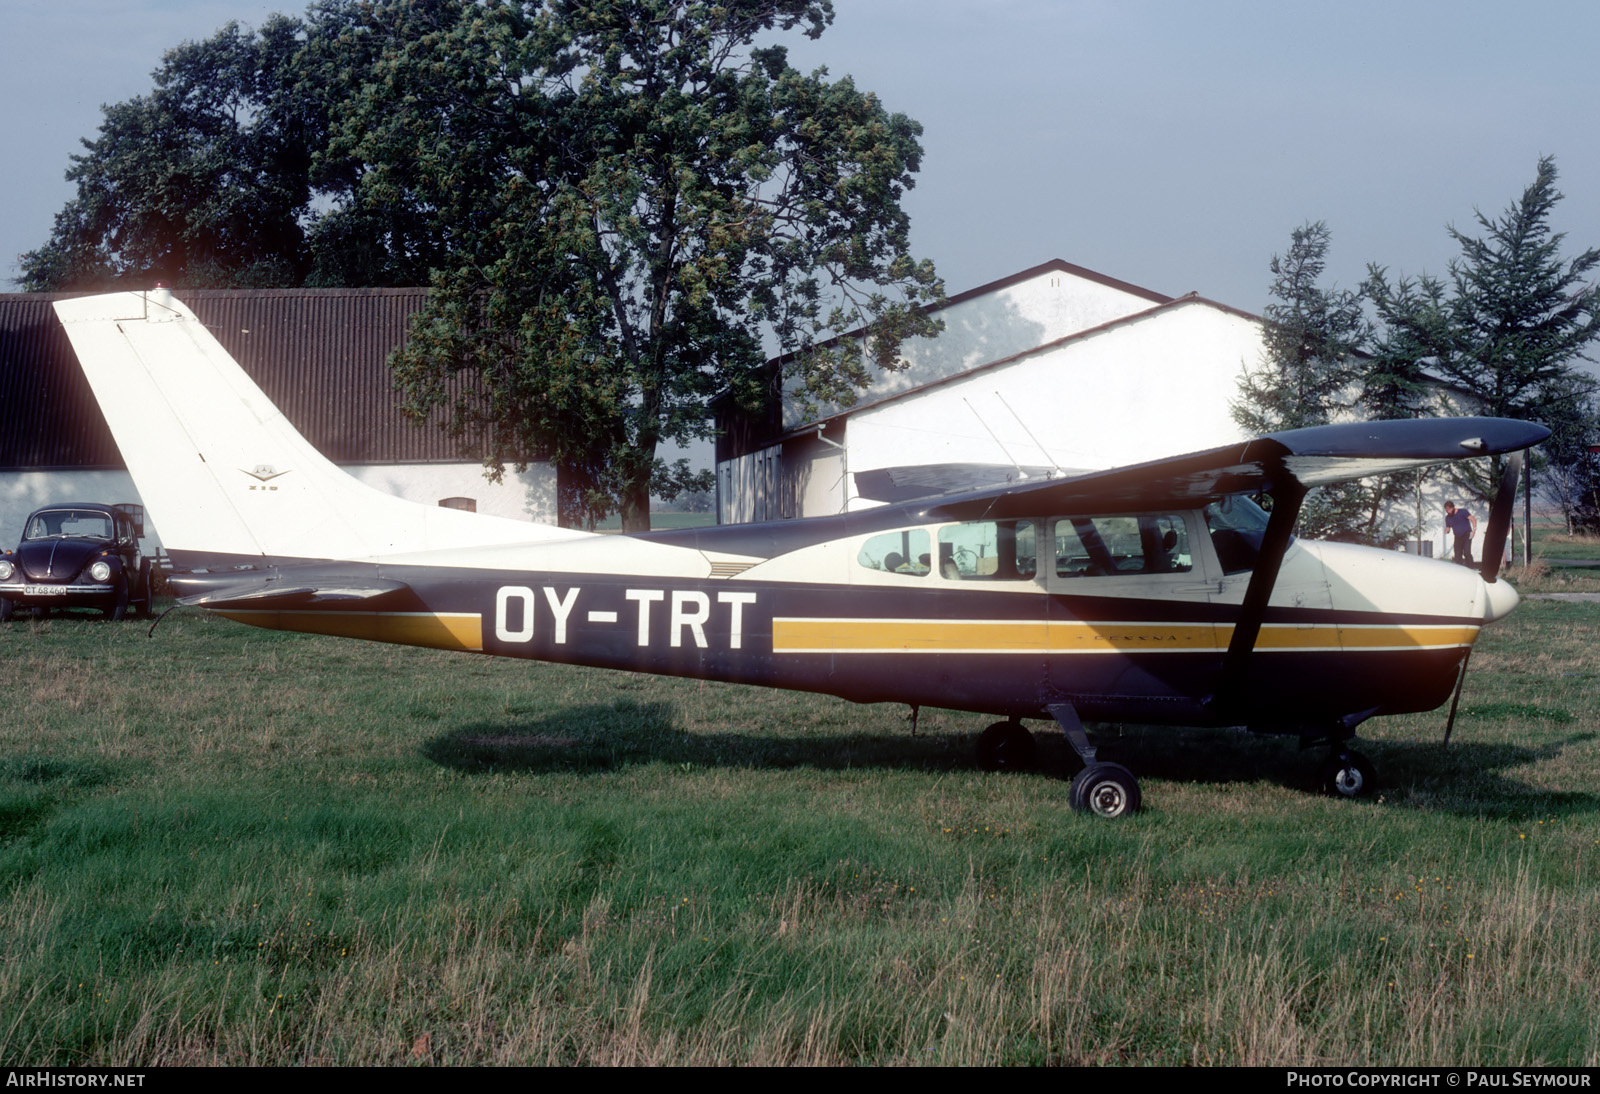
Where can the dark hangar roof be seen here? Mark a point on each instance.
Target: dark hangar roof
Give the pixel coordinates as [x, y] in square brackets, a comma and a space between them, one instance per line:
[320, 354]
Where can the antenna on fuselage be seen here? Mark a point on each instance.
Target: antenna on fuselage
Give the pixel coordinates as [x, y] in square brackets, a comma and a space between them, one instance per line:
[1055, 466]
[1003, 449]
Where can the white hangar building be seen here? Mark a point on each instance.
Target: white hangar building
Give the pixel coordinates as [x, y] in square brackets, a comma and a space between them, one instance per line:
[1053, 367]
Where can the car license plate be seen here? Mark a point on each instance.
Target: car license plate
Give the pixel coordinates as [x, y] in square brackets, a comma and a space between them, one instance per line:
[43, 590]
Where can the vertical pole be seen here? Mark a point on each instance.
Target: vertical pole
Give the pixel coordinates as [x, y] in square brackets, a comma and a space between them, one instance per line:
[1527, 507]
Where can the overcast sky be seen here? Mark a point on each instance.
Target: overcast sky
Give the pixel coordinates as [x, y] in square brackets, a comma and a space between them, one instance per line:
[1173, 145]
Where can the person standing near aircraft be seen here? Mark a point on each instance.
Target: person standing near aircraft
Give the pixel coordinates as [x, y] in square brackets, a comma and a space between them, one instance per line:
[1463, 525]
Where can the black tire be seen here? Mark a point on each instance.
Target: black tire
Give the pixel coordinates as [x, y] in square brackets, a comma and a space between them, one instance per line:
[119, 606]
[147, 593]
[7, 610]
[1106, 790]
[1349, 775]
[1006, 746]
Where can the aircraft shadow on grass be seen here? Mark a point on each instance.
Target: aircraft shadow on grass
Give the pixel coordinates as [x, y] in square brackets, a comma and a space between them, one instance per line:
[1465, 778]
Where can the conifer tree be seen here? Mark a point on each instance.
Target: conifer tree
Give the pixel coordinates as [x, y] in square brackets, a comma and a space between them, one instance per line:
[1311, 374]
[1507, 324]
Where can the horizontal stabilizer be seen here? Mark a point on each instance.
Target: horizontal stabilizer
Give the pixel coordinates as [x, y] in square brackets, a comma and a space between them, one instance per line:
[276, 594]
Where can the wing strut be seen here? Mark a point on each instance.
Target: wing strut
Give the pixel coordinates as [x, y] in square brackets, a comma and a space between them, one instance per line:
[1286, 500]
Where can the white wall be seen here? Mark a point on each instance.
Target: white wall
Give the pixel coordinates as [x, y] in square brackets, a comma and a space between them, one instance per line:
[21, 492]
[994, 325]
[1160, 386]
[530, 495]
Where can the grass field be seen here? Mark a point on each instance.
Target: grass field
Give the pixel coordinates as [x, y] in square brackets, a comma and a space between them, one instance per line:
[224, 845]
[1551, 541]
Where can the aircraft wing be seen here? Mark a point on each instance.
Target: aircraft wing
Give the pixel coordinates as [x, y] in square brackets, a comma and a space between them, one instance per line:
[893, 484]
[1309, 457]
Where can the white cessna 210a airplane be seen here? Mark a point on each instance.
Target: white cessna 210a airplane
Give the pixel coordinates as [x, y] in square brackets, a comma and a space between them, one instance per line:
[1156, 593]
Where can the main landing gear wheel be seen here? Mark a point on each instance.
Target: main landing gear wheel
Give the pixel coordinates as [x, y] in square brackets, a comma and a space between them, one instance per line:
[1005, 746]
[1348, 775]
[1106, 790]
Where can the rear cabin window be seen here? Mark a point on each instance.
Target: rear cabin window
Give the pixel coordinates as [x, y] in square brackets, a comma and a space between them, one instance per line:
[1115, 546]
[988, 550]
[897, 553]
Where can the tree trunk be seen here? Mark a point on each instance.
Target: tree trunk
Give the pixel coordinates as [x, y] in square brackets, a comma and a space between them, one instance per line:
[635, 511]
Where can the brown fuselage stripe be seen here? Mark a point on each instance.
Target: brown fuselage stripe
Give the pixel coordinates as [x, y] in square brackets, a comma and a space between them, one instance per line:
[436, 630]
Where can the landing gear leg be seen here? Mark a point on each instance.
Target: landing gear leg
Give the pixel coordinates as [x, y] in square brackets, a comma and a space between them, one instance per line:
[1104, 789]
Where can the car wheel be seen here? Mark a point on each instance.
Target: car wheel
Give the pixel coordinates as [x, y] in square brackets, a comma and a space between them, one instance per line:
[7, 609]
[119, 606]
[147, 594]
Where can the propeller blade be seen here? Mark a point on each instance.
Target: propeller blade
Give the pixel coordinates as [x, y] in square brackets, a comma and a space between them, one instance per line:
[1505, 500]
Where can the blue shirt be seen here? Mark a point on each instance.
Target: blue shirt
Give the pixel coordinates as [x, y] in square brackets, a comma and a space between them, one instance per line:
[1459, 522]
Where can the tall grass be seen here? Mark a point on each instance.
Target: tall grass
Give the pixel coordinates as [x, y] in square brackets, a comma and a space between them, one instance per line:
[236, 847]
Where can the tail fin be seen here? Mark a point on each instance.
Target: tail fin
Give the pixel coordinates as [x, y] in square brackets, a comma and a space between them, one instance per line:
[226, 479]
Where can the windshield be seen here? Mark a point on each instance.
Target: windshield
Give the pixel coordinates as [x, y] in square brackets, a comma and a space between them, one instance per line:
[1237, 525]
[69, 524]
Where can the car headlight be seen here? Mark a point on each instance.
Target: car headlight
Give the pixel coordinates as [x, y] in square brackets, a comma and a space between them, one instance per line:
[6, 569]
[100, 571]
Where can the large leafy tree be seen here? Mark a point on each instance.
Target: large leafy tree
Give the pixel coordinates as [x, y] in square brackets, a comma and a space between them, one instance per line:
[621, 207]
[641, 202]
[1510, 320]
[205, 181]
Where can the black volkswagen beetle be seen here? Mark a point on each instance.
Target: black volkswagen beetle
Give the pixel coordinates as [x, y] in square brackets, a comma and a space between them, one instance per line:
[78, 556]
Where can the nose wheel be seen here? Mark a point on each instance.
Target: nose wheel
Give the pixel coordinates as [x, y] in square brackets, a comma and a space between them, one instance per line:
[1348, 774]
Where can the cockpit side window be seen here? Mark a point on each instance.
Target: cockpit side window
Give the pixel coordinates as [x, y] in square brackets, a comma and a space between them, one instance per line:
[903, 552]
[988, 550]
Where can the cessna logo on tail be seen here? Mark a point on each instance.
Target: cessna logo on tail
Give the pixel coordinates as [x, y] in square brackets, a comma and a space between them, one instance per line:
[266, 473]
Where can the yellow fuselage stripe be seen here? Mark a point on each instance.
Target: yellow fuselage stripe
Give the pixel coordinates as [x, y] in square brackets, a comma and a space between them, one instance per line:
[796, 635]
[436, 630]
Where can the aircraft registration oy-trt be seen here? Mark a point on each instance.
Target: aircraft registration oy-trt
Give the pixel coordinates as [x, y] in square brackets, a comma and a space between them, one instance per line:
[1157, 593]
